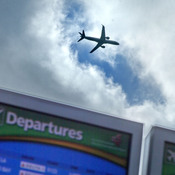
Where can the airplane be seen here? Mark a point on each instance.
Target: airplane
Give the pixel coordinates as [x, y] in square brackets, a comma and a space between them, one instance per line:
[100, 41]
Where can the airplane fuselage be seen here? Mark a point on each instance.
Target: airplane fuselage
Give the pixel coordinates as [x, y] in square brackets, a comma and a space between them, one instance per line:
[103, 41]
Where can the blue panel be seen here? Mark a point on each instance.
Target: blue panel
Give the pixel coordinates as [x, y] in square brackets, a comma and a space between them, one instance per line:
[52, 160]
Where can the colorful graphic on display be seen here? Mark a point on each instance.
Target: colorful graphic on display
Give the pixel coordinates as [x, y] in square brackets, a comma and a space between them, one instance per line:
[20, 128]
[168, 167]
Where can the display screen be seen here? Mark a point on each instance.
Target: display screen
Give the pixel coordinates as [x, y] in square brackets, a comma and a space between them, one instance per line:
[33, 143]
[168, 167]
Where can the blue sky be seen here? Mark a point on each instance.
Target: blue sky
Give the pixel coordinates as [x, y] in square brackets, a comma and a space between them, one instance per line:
[40, 55]
[122, 74]
[136, 91]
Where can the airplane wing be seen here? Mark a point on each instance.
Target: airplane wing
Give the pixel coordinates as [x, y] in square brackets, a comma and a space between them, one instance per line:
[102, 38]
[96, 47]
[103, 33]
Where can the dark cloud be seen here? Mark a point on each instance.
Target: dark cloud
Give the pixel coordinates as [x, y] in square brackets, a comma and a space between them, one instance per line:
[25, 53]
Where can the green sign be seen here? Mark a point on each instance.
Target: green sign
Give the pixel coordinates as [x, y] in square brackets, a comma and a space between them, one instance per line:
[169, 159]
[21, 124]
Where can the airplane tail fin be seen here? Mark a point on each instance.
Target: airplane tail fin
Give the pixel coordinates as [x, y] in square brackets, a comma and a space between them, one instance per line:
[82, 35]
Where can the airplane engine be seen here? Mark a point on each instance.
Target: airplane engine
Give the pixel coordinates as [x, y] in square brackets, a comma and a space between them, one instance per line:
[107, 37]
[103, 47]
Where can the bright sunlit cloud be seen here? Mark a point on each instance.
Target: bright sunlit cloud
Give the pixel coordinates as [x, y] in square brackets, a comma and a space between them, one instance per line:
[135, 80]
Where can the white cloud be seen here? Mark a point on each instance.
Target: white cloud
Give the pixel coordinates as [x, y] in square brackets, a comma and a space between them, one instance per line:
[39, 61]
[146, 32]
[36, 56]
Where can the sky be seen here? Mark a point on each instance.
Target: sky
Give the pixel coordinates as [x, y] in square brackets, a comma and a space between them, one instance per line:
[40, 55]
